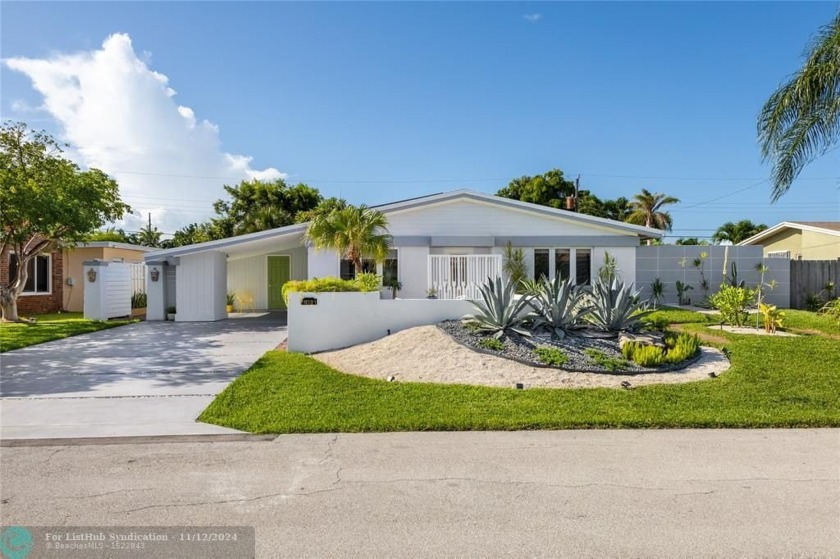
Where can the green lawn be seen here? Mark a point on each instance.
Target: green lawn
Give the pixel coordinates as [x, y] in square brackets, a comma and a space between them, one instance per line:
[773, 382]
[49, 327]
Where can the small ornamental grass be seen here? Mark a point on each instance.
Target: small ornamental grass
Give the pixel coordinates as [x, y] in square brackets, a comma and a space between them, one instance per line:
[678, 348]
[492, 343]
[551, 356]
[607, 362]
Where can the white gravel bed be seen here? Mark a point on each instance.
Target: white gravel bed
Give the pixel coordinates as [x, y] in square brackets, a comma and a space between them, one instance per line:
[427, 354]
[752, 331]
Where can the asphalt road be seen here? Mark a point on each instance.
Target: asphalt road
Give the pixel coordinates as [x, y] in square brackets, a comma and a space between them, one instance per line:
[713, 493]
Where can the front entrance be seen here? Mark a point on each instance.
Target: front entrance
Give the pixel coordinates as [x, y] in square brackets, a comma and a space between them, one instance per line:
[279, 272]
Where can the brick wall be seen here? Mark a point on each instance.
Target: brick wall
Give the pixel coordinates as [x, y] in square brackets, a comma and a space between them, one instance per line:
[39, 304]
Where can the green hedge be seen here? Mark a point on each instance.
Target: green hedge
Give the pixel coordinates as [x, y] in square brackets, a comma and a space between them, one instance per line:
[363, 283]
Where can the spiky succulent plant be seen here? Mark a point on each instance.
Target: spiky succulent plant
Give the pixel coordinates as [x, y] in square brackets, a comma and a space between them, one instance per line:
[499, 311]
[559, 306]
[616, 306]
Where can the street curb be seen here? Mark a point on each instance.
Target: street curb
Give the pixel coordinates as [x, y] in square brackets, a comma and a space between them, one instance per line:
[139, 439]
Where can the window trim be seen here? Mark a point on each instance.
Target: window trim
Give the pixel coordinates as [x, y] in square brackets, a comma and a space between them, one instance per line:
[49, 276]
[552, 262]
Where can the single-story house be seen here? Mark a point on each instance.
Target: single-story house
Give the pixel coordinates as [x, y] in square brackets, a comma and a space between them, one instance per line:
[800, 240]
[55, 279]
[446, 242]
[96, 250]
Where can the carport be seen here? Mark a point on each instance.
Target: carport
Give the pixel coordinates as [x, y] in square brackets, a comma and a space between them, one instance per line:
[196, 279]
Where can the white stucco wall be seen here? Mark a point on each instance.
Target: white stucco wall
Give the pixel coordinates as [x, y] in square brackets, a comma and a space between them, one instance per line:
[201, 287]
[346, 319]
[625, 262]
[109, 295]
[413, 265]
[322, 263]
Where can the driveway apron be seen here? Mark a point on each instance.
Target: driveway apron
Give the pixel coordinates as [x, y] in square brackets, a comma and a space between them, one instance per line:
[144, 379]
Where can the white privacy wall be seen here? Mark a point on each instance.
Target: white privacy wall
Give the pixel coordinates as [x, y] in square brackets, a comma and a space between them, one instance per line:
[663, 262]
[109, 295]
[346, 319]
[625, 258]
[201, 287]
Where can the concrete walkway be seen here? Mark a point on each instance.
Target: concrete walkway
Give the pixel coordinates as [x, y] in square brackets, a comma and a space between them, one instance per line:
[150, 378]
[659, 493]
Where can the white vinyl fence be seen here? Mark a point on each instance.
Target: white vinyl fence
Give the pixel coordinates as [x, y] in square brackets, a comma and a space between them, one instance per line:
[107, 288]
[459, 277]
[138, 277]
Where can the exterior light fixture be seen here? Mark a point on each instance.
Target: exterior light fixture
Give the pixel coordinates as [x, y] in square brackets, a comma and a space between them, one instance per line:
[154, 274]
[91, 274]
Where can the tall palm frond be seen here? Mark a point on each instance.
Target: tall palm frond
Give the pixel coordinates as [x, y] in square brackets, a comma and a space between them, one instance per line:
[354, 232]
[647, 210]
[801, 119]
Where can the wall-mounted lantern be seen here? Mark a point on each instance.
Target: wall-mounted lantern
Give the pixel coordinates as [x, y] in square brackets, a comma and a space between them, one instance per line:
[154, 274]
[91, 274]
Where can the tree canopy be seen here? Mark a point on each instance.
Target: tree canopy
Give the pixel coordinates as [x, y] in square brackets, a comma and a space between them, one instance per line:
[736, 232]
[258, 205]
[46, 202]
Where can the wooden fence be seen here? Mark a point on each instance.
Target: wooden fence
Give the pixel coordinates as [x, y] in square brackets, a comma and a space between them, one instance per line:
[812, 277]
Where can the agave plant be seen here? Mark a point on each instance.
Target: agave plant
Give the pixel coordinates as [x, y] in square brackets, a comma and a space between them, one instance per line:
[499, 312]
[559, 306]
[616, 307]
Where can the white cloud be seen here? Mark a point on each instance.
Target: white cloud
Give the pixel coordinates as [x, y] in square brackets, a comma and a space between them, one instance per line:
[121, 116]
[532, 18]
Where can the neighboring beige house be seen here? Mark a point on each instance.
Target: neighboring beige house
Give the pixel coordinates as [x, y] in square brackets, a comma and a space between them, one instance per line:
[800, 240]
[99, 250]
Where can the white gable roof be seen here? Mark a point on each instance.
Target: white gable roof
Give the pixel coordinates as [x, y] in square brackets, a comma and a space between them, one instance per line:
[539, 215]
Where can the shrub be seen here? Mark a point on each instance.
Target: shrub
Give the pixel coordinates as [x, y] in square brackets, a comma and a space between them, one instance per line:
[499, 312]
[558, 305]
[551, 356]
[644, 355]
[680, 347]
[732, 302]
[138, 300]
[615, 306]
[363, 283]
[772, 316]
[492, 343]
[832, 309]
[607, 362]
[368, 281]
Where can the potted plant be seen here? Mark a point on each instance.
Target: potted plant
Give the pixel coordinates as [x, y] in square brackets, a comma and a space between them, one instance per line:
[394, 285]
[231, 298]
[138, 304]
[431, 293]
[170, 313]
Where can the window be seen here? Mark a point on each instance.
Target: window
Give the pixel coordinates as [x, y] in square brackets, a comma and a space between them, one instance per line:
[541, 263]
[39, 268]
[583, 264]
[562, 262]
[390, 268]
[348, 269]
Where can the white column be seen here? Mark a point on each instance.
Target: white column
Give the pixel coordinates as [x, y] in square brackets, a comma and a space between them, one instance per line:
[94, 276]
[155, 291]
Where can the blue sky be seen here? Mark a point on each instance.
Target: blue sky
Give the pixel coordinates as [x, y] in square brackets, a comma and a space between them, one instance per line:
[377, 102]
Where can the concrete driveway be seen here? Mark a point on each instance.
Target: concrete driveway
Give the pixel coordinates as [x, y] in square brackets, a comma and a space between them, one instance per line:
[149, 378]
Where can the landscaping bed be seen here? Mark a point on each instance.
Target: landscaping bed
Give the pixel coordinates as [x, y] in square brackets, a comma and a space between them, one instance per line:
[583, 352]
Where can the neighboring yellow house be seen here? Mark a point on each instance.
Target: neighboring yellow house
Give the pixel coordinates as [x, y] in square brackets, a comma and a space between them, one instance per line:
[74, 287]
[801, 240]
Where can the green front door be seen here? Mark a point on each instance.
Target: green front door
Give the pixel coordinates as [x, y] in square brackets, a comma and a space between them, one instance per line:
[278, 274]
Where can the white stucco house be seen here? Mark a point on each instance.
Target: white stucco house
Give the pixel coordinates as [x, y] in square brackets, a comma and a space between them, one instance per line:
[447, 242]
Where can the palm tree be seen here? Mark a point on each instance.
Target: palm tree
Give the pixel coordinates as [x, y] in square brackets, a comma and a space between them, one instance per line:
[737, 232]
[801, 120]
[647, 210]
[353, 232]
